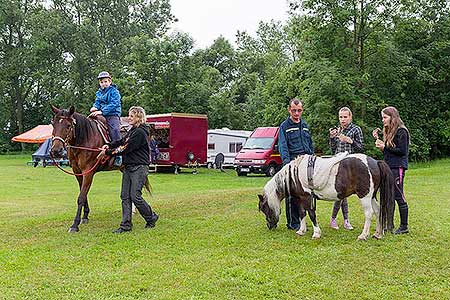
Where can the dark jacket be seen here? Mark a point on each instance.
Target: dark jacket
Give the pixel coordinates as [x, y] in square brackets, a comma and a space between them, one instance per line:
[294, 139]
[108, 101]
[136, 150]
[398, 156]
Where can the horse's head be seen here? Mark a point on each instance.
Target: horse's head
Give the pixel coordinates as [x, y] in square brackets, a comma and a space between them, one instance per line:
[271, 215]
[63, 129]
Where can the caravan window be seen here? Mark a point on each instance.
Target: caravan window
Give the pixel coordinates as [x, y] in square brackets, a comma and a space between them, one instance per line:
[211, 146]
[235, 147]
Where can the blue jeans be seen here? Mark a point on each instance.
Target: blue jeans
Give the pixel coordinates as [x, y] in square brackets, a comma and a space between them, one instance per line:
[113, 123]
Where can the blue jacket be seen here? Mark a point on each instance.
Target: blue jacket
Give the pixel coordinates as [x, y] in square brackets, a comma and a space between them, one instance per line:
[398, 156]
[108, 101]
[294, 139]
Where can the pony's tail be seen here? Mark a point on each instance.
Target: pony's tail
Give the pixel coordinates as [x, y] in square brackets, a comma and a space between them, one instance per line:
[147, 186]
[387, 196]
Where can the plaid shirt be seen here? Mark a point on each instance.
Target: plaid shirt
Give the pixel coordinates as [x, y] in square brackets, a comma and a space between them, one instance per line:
[355, 133]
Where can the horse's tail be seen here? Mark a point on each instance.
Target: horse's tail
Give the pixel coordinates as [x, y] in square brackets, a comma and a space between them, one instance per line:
[387, 196]
[147, 186]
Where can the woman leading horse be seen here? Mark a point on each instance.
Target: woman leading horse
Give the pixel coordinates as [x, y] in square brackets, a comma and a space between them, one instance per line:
[82, 139]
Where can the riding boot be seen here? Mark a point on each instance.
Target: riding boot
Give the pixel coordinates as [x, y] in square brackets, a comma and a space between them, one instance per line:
[403, 208]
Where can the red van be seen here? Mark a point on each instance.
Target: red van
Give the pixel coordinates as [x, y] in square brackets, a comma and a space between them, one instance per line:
[260, 153]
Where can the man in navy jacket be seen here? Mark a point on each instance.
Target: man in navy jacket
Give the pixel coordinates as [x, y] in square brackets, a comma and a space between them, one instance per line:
[294, 139]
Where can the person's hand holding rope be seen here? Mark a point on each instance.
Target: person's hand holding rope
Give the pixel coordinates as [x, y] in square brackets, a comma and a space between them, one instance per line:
[102, 153]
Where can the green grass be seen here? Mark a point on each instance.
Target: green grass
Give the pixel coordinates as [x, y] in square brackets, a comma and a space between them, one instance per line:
[210, 242]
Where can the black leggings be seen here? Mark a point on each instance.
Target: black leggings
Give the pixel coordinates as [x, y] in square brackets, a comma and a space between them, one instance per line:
[399, 175]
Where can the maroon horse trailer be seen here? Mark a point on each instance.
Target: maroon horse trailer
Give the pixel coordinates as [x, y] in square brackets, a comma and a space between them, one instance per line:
[181, 139]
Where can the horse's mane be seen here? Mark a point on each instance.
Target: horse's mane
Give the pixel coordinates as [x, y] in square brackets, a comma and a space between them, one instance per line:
[83, 126]
[282, 182]
[275, 189]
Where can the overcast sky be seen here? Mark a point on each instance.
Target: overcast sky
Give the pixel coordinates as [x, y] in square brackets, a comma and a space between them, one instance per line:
[206, 20]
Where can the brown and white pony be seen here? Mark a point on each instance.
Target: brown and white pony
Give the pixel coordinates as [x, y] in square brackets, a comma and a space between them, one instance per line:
[352, 174]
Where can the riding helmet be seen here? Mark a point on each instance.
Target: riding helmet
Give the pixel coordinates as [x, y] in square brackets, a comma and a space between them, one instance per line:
[103, 74]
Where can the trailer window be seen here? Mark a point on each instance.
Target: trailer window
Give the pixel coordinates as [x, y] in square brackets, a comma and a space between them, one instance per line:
[162, 137]
[211, 146]
[235, 147]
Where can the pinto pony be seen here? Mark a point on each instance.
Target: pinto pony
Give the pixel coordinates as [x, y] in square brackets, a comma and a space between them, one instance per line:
[333, 179]
[81, 137]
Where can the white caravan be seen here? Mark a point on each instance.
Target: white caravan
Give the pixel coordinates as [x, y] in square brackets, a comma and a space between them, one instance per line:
[223, 145]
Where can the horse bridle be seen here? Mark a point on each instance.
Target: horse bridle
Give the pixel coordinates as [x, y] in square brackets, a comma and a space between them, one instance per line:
[72, 123]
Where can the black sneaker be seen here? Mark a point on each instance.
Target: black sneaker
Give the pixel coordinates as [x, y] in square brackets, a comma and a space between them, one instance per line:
[121, 230]
[296, 228]
[152, 223]
[402, 230]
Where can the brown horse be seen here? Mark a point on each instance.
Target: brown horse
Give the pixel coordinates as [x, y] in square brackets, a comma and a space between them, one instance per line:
[82, 139]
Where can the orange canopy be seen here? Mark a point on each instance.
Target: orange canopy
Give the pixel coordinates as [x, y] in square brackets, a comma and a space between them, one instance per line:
[36, 135]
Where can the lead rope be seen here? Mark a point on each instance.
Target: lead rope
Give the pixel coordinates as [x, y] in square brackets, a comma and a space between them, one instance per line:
[64, 142]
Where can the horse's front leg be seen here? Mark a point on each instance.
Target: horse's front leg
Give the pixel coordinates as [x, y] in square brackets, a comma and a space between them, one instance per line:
[302, 215]
[85, 218]
[368, 212]
[312, 215]
[82, 201]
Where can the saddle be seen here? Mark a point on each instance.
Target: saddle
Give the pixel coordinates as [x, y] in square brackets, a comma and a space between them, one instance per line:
[102, 127]
[319, 169]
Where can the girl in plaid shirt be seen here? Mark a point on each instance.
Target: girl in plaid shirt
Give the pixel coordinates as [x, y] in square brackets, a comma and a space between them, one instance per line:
[347, 137]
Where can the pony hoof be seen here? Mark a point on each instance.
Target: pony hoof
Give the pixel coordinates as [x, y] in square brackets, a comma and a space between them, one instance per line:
[315, 237]
[301, 232]
[362, 238]
[376, 236]
[73, 230]
[84, 221]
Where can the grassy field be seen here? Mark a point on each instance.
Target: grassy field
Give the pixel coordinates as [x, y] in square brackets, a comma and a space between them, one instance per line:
[210, 242]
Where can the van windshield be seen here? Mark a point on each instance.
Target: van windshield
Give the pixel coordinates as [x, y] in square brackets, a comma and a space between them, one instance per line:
[259, 143]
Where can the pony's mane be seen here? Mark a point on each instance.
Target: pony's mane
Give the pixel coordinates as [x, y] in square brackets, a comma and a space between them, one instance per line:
[277, 188]
[82, 128]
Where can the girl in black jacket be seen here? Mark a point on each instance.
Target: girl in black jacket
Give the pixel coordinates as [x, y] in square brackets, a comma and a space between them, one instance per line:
[395, 147]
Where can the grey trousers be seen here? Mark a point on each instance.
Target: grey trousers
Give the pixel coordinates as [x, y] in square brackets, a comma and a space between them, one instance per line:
[133, 180]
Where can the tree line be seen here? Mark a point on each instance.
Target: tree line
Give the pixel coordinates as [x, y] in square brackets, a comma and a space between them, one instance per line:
[364, 54]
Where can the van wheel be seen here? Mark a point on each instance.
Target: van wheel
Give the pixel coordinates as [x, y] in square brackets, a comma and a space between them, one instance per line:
[239, 173]
[271, 171]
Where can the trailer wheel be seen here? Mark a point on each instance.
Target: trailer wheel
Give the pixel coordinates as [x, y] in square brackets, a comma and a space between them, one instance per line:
[210, 165]
[272, 170]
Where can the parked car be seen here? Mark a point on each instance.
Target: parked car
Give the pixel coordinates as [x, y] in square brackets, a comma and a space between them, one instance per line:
[260, 153]
[223, 145]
